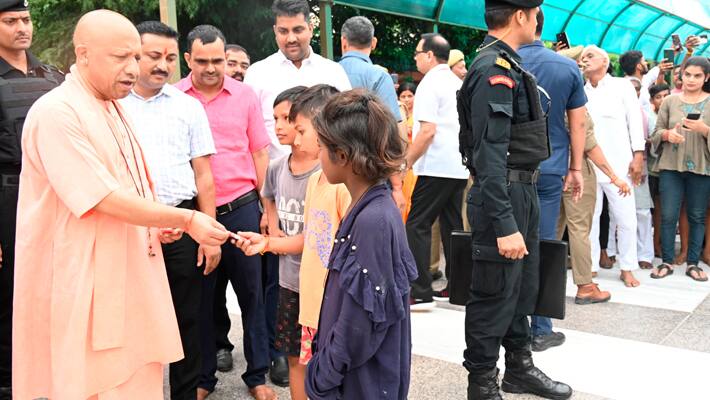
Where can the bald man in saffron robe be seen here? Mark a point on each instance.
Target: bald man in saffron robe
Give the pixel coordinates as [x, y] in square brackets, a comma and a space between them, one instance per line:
[93, 317]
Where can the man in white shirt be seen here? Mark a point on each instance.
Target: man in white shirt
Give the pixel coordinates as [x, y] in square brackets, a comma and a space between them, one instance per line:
[293, 64]
[441, 176]
[173, 130]
[618, 124]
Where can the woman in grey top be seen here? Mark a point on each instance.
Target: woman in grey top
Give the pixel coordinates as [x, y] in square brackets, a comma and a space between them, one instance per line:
[681, 142]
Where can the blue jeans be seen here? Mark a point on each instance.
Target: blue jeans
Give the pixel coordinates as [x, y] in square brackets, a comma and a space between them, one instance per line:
[674, 187]
[549, 193]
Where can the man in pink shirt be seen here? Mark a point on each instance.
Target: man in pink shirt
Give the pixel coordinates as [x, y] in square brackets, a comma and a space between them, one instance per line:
[239, 168]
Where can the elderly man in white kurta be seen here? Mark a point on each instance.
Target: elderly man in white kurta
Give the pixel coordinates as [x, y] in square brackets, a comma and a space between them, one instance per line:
[616, 112]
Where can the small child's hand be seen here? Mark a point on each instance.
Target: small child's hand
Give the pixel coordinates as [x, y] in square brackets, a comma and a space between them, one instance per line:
[251, 243]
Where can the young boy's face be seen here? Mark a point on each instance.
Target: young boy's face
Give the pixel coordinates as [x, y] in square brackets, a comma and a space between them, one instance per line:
[285, 131]
[306, 138]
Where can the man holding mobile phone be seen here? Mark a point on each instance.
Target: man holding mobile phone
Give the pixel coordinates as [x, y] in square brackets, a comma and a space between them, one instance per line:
[635, 65]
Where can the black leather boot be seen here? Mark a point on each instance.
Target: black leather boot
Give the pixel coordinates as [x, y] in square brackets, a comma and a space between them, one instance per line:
[522, 376]
[484, 387]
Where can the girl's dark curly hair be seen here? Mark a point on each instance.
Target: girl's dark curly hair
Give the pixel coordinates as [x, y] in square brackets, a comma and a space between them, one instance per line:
[357, 123]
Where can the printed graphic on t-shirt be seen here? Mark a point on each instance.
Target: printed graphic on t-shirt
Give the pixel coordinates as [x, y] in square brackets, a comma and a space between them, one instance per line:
[319, 233]
[291, 215]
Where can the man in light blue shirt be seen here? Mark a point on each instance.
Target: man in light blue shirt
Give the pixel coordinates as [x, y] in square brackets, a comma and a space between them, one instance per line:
[357, 42]
[175, 136]
[562, 81]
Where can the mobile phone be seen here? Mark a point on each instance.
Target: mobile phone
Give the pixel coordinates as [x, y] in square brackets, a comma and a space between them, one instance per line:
[703, 39]
[677, 45]
[691, 116]
[669, 55]
[562, 37]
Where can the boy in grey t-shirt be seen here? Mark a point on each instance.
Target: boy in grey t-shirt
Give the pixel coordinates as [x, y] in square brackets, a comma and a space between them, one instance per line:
[288, 191]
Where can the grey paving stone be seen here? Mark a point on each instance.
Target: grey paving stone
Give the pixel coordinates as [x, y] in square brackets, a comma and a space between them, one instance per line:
[625, 321]
[704, 307]
[432, 379]
[692, 334]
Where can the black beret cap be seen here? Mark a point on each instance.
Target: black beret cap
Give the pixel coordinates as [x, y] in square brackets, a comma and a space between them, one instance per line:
[493, 4]
[13, 5]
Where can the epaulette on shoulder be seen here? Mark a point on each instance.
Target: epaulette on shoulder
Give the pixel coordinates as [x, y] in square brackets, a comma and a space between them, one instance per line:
[502, 63]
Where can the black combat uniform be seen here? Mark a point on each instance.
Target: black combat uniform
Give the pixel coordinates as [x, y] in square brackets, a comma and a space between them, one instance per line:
[18, 91]
[503, 139]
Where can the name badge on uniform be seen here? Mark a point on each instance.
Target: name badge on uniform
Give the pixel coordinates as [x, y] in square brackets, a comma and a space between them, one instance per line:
[501, 80]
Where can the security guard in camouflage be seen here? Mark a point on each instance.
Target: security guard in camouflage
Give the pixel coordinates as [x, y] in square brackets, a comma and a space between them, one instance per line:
[23, 79]
[503, 139]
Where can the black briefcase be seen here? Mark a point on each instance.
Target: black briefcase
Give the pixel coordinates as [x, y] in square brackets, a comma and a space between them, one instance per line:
[553, 274]
[553, 279]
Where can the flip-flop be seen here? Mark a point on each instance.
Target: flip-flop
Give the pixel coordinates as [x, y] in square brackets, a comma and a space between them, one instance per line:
[697, 270]
[661, 267]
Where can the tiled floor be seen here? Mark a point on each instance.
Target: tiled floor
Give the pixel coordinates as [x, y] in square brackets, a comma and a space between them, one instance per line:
[651, 342]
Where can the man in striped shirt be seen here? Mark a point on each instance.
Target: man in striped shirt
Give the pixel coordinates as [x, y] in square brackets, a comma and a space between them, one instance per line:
[174, 132]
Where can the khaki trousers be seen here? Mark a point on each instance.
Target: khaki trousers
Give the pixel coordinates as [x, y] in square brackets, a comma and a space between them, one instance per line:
[577, 217]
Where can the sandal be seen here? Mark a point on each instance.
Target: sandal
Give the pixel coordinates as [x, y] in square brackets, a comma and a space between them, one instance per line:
[657, 274]
[697, 270]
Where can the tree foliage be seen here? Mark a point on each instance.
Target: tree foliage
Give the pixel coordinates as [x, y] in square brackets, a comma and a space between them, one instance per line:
[246, 22]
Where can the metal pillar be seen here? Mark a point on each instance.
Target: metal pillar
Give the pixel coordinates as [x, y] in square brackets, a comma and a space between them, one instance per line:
[437, 16]
[168, 16]
[326, 28]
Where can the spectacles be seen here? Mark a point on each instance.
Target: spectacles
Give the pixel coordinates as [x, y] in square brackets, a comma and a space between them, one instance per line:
[417, 52]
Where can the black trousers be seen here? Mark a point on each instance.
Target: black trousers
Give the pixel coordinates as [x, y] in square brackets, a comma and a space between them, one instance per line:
[245, 274]
[432, 197]
[185, 281]
[503, 291]
[604, 225]
[270, 262]
[222, 323]
[8, 213]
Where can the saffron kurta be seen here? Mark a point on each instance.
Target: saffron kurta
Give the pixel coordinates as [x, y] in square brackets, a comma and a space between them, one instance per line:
[91, 306]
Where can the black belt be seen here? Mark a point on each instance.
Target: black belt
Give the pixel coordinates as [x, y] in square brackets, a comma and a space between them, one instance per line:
[188, 204]
[523, 176]
[238, 202]
[11, 180]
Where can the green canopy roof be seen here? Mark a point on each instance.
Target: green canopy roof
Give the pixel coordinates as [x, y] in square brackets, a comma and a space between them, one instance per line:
[615, 25]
